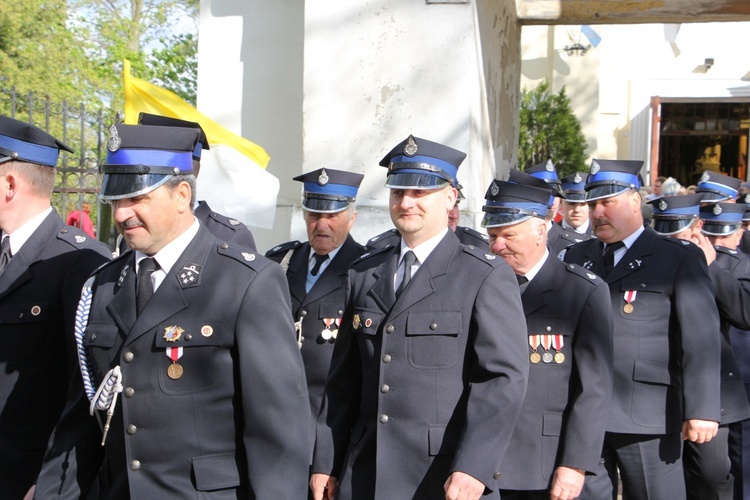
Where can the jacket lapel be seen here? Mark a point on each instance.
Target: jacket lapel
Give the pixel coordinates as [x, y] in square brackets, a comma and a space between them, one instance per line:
[541, 288]
[17, 272]
[297, 272]
[334, 276]
[382, 291]
[635, 258]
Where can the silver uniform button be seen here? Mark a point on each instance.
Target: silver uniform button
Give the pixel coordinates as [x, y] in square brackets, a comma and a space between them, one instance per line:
[496, 475]
[433, 326]
[132, 429]
[385, 389]
[387, 358]
[135, 465]
[389, 329]
[128, 357]
[129, 391]
[383, 419]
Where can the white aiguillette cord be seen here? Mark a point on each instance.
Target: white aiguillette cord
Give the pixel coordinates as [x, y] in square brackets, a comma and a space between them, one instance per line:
[105, 397]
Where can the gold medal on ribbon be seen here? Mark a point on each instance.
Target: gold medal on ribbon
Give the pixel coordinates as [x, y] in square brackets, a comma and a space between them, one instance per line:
[534, 343]
[629, 299]
[628, 308]
[559, 357]
[535, 357]
[174, 371]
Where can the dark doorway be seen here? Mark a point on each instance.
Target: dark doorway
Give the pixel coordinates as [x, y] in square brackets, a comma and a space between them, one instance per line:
[699, 135]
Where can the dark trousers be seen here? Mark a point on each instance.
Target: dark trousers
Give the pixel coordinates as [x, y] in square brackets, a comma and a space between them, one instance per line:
[707, 468]
[649, 467]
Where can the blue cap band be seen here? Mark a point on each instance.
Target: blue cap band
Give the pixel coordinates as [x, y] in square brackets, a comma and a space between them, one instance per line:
[182, 160]
[198, 150]
[446, 167]
[608, 175]
[715, 187]
[724, 216]
[332, 189]
[677, 211]
[525, 206]
[546, 176]
[44, 155]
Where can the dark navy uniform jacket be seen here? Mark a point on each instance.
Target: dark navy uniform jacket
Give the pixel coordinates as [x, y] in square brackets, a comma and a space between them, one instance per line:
[666, 351]
[426, 384]
[566, 237]
[730, 275]
[565, 412]
[325, 301]
[221, 430]
[225, 228]
[39, 292]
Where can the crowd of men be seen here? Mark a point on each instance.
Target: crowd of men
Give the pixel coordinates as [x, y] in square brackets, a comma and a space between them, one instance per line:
[542, 360]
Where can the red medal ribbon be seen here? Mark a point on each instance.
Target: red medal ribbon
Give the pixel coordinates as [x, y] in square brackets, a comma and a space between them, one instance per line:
[534, 341]
[546, 341]
[630, 296]
[328, 322]
[174, 353]
[557, 342]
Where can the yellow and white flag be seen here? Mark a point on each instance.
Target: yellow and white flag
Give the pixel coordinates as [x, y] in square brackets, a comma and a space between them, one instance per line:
[233, 179]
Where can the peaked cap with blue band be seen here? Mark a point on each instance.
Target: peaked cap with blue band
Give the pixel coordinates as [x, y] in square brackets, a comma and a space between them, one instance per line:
[609, 178]
[421, 164]
[141, 158]
[518, 177]
[717, 187]
[24, 142]
[547, 172]
[674, 214]
[168, 121]
[508, 203]
[328, 190]
[722, 219]
[574, 187]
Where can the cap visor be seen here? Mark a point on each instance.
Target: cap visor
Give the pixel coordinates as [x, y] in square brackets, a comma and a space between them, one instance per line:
[499, 219]
[669, 227]
[575, 197]
[119, 186]
[405, 180]
[323, 206]
[605, 191]
[712, 197]
[714, 229]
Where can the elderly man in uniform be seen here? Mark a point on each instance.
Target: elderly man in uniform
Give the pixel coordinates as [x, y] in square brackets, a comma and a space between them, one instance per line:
[558, 438]
[709, 471]
[574, 209]
[196, 334]
[316, 270]
[666, 346]
[43, 264]
[429, 371]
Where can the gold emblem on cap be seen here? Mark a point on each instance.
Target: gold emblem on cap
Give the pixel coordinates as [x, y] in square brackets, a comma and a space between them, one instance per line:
[717, 209]
[173, 333]
[114, 139]
[550, 166]
[323, 178]
[594, 167]
[411, 148]
[663, 204]
[207, 330]
[577, 179]
[705, 177]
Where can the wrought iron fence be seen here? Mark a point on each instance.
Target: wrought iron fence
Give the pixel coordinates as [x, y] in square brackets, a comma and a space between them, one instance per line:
[84, 130]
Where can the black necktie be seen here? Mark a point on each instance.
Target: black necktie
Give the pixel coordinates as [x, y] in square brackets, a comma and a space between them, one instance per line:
[145, 288]
[319, 259]
[5, 254]
[523, 282]
[609, 256]
[409, 260]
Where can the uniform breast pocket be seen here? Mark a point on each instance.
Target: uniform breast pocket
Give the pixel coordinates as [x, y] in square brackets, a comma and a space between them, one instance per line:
[550, 341]
[194, 356]
[365, 324]
[326, 330]
[642, 298]
[433, 338]
[25, 332]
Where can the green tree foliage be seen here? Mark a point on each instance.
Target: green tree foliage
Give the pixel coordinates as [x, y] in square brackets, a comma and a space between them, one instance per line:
[549, 129]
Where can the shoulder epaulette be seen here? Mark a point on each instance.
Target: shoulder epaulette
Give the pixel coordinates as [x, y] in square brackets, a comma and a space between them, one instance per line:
[583, 273]
[372, 251]
[378, 240]
[240, 254]
[473, 232]
[289, 245]
[75, 237]
[481, 254]
[229, 222]
[728, 251]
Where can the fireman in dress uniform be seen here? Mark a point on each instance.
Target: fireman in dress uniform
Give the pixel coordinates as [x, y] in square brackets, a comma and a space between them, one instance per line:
[316, 270]
[186, 347]
[575, 212]
[558, 438]
[429, 370]
[43, 265]
[548, 173]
